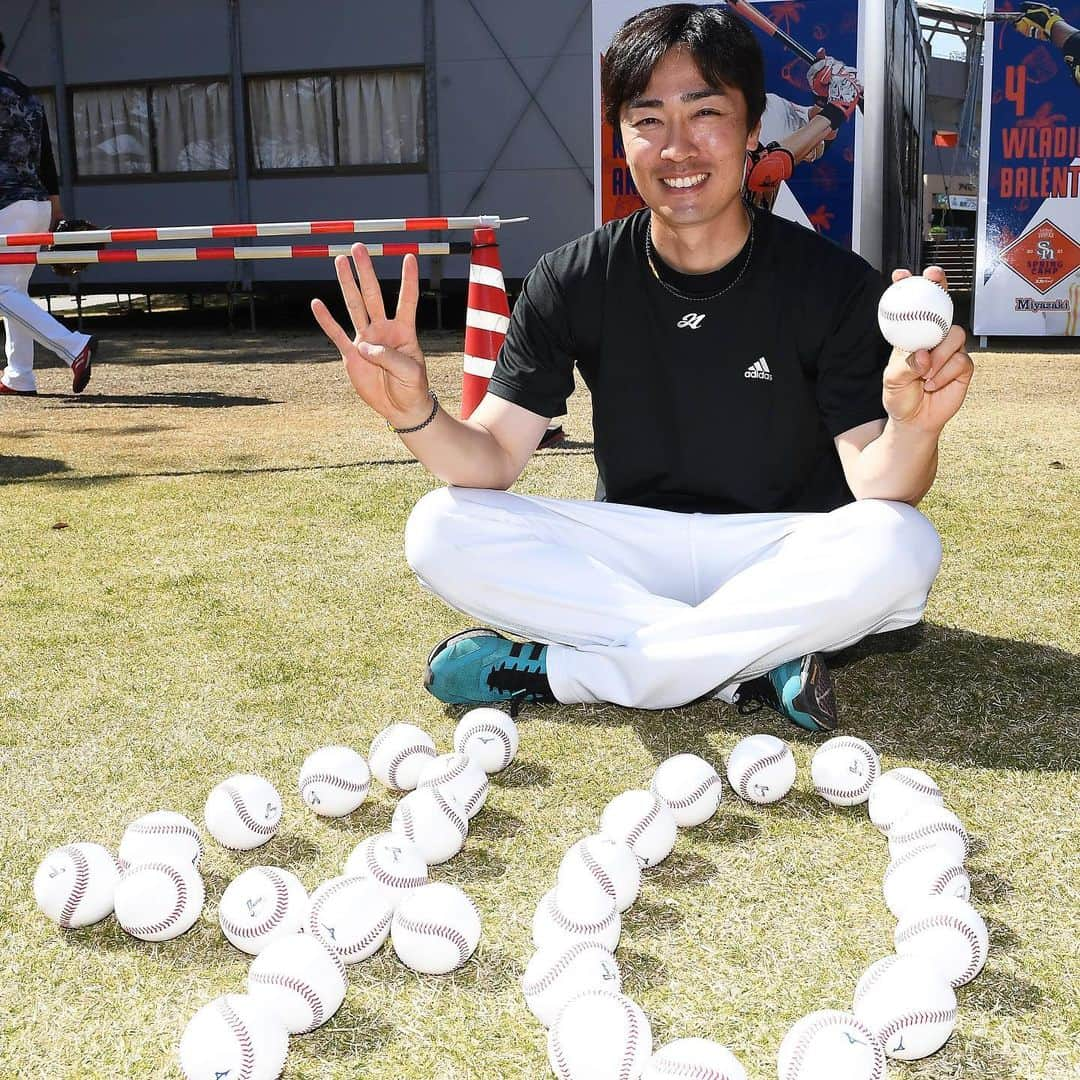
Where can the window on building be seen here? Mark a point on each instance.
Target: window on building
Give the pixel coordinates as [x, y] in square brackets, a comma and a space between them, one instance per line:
[363, 120]
[159, 129]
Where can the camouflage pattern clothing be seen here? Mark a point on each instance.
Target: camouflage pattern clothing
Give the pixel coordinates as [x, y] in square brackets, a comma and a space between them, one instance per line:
[27, 168]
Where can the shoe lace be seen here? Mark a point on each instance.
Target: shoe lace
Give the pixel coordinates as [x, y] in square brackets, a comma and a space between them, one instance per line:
[526, 682]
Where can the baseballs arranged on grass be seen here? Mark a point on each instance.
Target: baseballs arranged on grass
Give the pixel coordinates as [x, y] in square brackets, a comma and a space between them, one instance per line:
[432, 820]
[915, 313]
[300, 979]
[334, 780]
[690, 786]
[843, 769]
[353, 914]
[928, 823]
[243, 812]
[390, 861]
[949, 933]
[458, 775]
[261, 905]
[557, 974]
[489, 737]
[908, 1005]
[830, 1045]
[599, 1035]
[565, 915]
[435, 929]
[643, 822]
[397, 755]
[895, 792]
[151, 836]
[157, 901]
[598, 862]
[921, 872]
[233, 1036]
[694, 1058]
[761, 769]
[75, 884]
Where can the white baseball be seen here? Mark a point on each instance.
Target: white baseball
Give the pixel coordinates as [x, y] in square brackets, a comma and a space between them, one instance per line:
[489, 737]
[261, 905]
[556, 974]
[565, 915]
[699, 1059]
[761, 769]
[435, 929]
[895, 792]
[243, 812]
[843, 770]
[233, 1036]
[391, 862]
[75, 884]
[927, 870]
[602, 863]
[928, 823]
[353, 914]
[147, 838]
[599, 1035]
[690, 786]
[830, 1045]
[643, 822]
[334, 780]
[432, 820]
[907, 1004]
[915, 313]
[949, 933]
[459, 775]
[398, 753]
[300, 979]
[157, 901]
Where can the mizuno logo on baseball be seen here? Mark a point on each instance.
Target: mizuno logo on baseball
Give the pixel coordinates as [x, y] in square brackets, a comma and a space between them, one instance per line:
[691, 319]
[759, 369]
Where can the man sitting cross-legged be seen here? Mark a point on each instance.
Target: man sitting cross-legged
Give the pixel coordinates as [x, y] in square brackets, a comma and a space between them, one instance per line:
[759, 455]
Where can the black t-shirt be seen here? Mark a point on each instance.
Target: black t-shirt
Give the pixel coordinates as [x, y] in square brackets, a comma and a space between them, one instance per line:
[722, 405]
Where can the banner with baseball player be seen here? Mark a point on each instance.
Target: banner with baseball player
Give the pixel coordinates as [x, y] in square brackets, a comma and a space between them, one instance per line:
[1027, 278]
[805, 165]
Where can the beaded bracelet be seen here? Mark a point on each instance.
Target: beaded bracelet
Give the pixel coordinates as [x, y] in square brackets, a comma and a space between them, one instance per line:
[417, 427]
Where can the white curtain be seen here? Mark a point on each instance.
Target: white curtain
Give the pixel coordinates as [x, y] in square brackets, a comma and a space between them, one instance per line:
[112, 131]
[192, 127]
[380, 118]
[292, 122]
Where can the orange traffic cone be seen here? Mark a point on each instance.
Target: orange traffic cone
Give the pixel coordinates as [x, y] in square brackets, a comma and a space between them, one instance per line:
[486, 319]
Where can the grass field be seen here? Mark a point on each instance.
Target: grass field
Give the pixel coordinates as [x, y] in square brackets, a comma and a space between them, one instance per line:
[229, 593]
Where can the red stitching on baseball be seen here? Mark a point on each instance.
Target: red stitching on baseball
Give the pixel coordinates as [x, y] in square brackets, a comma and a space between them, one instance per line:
[78, 890]
[243, 1037]
[447, 933]
[400, 758]
[564, 922]
[603, 878]
[940, 1016]
[925, 831]
[242, 812]
[756, 767]
[951, 922]
[358, 946]
[334, 780]
[177, 879]
[451, 812]
[834, 1019]
[566, 958]
[379, 873]
[314, 1003]
[635, 834]
[277, 913]
[493, 729]
[689, 800]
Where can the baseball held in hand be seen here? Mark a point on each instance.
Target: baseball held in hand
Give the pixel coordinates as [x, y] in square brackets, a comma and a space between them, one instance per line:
[915, 313]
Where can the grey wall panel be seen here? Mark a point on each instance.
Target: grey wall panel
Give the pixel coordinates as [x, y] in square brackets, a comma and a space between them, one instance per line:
[283, 35]
[30, 56]
[117, 40]
[557, 204]
[521, 29]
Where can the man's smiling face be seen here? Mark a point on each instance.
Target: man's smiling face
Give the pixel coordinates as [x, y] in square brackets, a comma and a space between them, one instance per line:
[686, 143]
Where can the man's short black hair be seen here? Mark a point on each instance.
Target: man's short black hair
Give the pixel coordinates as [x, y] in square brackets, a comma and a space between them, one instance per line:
[722, 45]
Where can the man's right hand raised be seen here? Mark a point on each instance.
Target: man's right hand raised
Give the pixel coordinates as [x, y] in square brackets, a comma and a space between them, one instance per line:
[383, 360]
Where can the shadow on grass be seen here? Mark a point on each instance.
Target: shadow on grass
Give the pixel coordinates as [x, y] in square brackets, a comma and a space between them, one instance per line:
[640, 971]
[647, 918]
[928, 693]
[495, 824]
[196, 399]
[523, 774]
[682, 868]
[352, 1032]
[471, 864]
[1001, 993]
[727, 828]
[16, 467]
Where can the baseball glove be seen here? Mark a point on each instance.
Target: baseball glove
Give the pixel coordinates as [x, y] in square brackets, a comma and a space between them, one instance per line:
[74, 225]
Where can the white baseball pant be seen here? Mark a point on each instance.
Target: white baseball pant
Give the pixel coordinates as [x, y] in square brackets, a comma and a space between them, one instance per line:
[24, 321]
[653, 609]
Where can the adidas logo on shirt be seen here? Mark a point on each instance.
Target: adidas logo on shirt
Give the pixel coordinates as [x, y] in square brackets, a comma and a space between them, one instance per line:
[758, 370]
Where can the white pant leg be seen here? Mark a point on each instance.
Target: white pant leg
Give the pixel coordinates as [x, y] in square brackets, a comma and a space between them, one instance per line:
[831, 580]
[552, 570]
[25, 322]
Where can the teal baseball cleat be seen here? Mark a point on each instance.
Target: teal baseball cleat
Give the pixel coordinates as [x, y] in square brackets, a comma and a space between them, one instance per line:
[800, 690]
[481, 667]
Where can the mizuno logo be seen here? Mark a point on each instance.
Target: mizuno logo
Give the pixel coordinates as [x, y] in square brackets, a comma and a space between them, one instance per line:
[693, 320]
[758, 370]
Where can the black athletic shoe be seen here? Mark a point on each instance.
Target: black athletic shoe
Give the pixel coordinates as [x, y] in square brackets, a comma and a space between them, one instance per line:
[800, 690]
[481, 667]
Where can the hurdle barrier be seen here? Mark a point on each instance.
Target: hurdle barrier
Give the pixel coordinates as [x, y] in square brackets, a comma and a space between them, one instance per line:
[487, 310]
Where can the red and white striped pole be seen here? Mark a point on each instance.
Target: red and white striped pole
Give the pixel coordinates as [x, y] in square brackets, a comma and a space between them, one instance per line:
[487, 317]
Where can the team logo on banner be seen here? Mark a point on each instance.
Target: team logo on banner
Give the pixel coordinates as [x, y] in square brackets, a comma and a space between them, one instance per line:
[1043, 257]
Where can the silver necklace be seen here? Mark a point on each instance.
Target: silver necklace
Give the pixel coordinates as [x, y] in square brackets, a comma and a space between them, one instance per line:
[686, 296]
